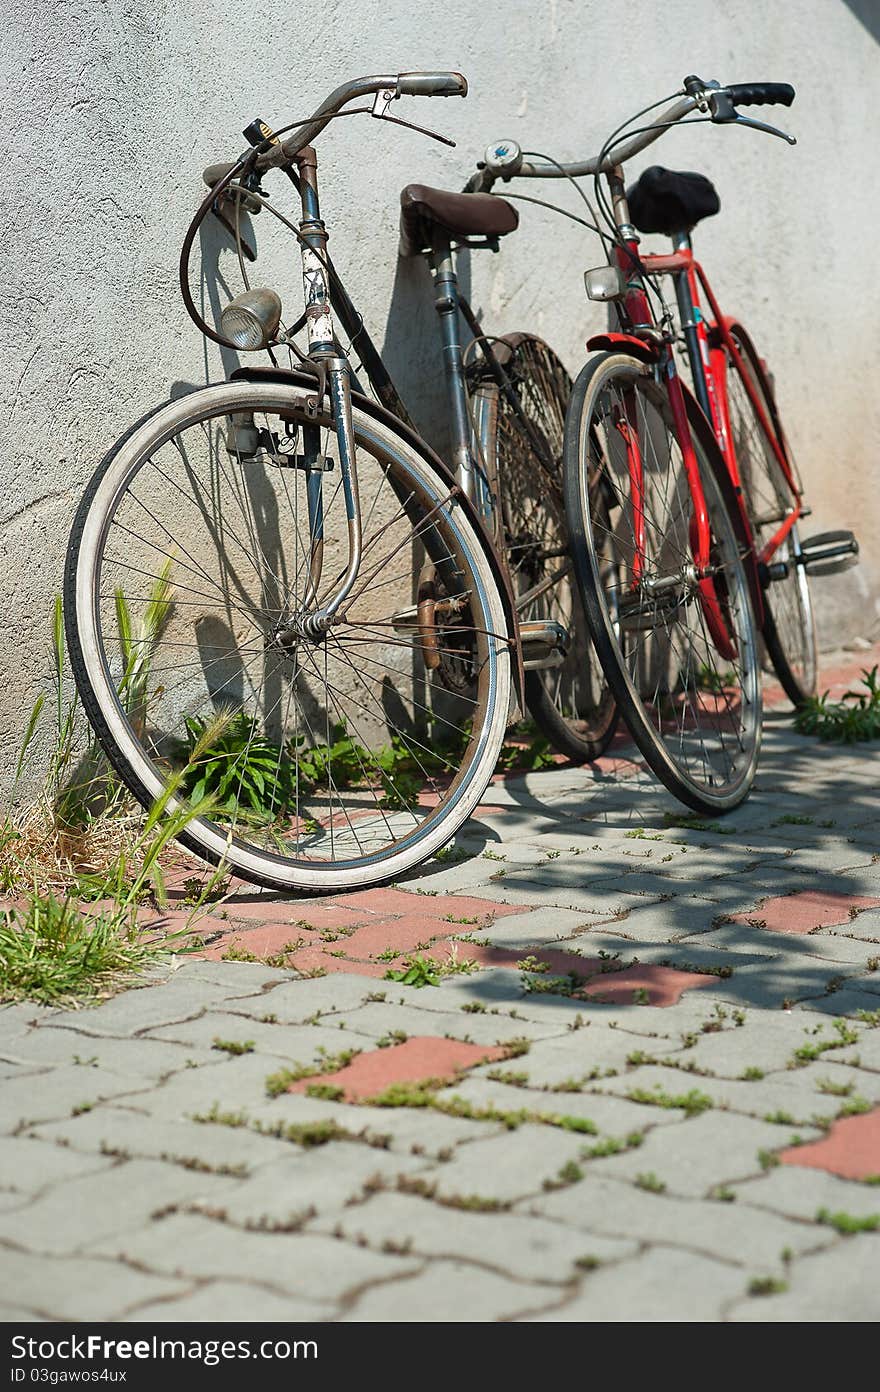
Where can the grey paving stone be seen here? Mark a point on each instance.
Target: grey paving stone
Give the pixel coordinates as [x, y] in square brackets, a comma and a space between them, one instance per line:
[276, 1042]
[143, 1057]
[607, 896]
[215, 1301]
[315, 1267]
[452, 1292]
[663, 1284]
[296, 1002]
[523, 930]
[841, 1284]
[28, 1165]
[582, 1055]
[722, 1230]
[128, 1134]
[799, 1191]
[78, 1288]
[16, 1314]
[522, 1246]
[54, 1094]
[854, 998]
[132, 1012]
[787, 1092]
[698, 1154]
[611, 1115]
[322, 1179]
[74, 1215]
[375, 1021]
[508, 1168]
[234, 1084]
[766, 1040]
[231, 976]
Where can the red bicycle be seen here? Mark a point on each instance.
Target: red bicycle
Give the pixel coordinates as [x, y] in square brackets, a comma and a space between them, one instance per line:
[684, 505]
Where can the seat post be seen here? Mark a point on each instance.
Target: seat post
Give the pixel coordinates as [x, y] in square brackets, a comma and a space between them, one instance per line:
[687, 312]
[446, 303]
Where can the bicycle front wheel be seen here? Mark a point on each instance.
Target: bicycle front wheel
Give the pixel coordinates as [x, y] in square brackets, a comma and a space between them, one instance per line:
[566, 693]
[206, 535]
[789, 626]
[683, 665]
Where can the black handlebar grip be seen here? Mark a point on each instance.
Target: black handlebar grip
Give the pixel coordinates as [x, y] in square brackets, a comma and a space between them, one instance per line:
[761, 93]
[432, 84]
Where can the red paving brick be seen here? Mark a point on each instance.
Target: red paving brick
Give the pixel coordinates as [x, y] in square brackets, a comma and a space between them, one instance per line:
[805, 911]
[415, 1061]
[405, 933]
[851, 1149]
[391, 903]
[661, 985]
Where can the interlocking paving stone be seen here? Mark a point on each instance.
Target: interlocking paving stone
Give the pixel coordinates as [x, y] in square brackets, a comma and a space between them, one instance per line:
[322, 1179]
[463, 1293]
[851, 1149]
[315, 1267]
[417, 1059]
[296, 1001]
[78, 1288]
[802, 1193]
[59, 1091]
[612, 1115]
[377, 1019]
[840, 1284]
[271, 1040]
[28, 1165]
[783, 1092]
[135, 1011]
[561, 1058]
[145, 1057]
[714, 1148]
[522, 1246]
[109, 1130]
[216, 1301]
[663, 1284]
[723, 1230]
[73, 1216]
[508, 1171]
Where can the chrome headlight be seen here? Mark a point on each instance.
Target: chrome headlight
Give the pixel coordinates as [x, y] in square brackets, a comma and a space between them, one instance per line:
[251, 320]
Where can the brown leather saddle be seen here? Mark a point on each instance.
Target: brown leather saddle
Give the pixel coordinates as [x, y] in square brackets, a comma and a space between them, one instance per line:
[459, 215]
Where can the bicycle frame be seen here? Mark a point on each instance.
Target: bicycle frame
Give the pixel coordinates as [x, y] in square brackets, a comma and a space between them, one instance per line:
[325, 296]
[713, 353]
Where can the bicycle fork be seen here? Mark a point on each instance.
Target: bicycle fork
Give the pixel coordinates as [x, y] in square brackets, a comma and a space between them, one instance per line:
[323, 350]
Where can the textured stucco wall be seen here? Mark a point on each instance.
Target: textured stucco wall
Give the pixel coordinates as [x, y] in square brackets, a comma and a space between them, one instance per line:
[114, 107]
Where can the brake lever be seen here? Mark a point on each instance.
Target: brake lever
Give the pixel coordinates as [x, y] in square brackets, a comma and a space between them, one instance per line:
[381, 103]
[724, 113]
[762, 126]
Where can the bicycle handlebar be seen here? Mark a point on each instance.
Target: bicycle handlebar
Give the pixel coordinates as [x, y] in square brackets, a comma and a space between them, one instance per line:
[719, 102]
[412, 84]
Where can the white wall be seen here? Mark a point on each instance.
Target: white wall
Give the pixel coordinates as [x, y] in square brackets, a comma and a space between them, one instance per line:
[114, 107]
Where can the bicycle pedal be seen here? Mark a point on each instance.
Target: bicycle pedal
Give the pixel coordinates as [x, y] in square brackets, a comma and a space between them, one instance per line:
[544, 643]
[828, 553]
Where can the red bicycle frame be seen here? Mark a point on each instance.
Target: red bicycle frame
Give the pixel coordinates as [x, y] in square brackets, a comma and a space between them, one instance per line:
[714, 353]
[639, 318]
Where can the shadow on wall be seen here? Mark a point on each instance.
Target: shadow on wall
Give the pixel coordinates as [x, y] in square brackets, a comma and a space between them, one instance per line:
[412, 351]
[868, 12]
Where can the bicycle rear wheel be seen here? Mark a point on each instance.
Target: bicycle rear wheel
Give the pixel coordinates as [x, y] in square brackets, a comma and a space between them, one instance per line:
[688, 689]
[789, 626]
[567, 694]
[333, 762]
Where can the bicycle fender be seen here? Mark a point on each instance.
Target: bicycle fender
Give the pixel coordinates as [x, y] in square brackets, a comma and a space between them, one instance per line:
[380, 413]
[621, 342]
